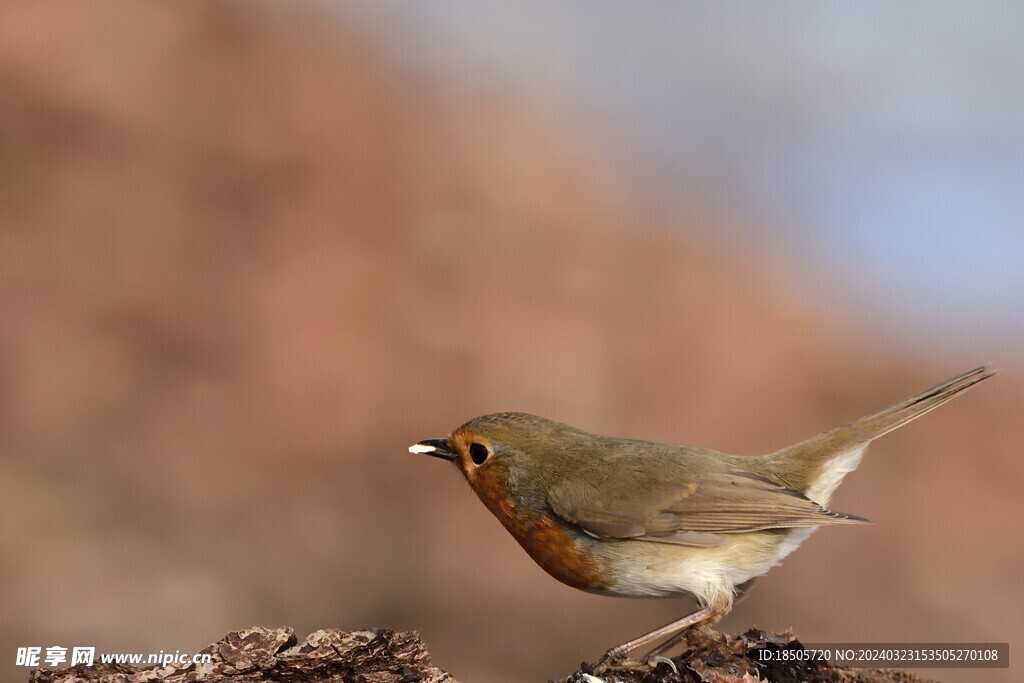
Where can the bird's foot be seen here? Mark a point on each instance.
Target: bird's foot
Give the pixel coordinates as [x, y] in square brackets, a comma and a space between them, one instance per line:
[616, 658]
[654, 661]
[613, 659]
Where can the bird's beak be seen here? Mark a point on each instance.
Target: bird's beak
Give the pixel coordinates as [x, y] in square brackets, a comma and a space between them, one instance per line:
[438, 448]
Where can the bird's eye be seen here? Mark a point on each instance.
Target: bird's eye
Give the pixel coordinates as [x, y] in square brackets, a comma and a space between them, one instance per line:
[478, 452]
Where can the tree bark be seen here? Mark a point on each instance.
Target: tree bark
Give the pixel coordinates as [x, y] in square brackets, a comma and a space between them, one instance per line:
[383, 656]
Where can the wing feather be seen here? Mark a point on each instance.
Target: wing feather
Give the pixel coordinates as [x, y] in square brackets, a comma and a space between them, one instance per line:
[691, 510]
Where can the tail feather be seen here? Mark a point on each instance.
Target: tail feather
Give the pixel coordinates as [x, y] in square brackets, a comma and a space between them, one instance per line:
[816, 466]
[895, 416]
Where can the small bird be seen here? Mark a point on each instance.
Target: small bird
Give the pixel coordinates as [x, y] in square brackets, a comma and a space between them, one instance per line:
[642, 518]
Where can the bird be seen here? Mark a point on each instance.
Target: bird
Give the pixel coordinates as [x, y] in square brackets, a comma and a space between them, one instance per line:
[636, 518]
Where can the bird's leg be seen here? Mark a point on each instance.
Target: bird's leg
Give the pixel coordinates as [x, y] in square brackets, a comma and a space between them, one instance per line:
[659, 651]
[718, 610]
[690, 620]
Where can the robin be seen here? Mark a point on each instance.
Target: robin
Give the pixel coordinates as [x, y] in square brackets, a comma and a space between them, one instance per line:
[642, 518]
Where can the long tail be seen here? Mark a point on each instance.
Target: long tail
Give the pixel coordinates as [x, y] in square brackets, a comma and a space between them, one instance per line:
[816, 466]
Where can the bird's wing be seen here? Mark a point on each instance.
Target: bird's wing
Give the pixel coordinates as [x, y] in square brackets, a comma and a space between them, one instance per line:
[694, 511]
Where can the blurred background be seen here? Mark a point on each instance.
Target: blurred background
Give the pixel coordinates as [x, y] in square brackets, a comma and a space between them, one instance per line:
[249, 252]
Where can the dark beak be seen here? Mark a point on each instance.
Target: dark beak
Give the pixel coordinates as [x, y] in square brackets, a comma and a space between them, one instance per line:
[438, 448]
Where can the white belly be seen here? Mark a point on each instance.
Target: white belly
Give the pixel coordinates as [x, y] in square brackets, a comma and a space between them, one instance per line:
[711, 574]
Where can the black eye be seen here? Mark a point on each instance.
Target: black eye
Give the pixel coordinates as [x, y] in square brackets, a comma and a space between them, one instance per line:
[478, 452]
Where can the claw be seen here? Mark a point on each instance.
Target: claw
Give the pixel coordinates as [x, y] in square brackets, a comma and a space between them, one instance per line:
[654, 661]
[614, 658]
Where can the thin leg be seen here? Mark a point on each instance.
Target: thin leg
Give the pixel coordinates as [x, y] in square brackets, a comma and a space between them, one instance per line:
[673, 640]
[741, 592]
[658, 633]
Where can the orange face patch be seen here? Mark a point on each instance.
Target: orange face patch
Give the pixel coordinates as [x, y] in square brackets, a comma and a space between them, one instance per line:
[540, 535]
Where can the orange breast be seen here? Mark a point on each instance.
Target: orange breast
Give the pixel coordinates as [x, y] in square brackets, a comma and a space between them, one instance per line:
[542, 536]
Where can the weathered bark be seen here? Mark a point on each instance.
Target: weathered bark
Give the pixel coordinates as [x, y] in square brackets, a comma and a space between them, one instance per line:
[383, 656]
[712, 657]
[264, 654]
